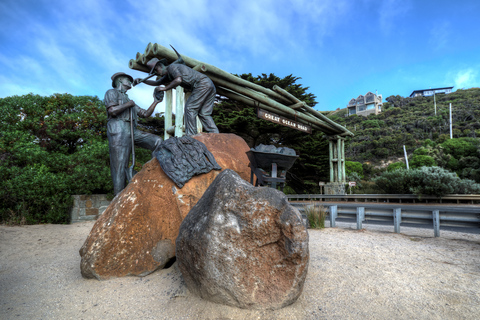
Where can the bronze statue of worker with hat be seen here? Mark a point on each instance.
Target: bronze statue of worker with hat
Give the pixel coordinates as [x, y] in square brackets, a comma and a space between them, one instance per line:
[200, 102]
[123, 115]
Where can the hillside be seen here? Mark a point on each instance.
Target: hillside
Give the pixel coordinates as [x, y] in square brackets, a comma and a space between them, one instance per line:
[409, 122]
[379, 139]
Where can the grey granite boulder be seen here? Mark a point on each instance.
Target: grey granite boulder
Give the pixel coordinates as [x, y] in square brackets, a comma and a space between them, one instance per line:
[243, 246]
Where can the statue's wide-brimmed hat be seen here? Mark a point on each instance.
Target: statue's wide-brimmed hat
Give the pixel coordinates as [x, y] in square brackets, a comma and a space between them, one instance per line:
[120, 74]
[152, 63]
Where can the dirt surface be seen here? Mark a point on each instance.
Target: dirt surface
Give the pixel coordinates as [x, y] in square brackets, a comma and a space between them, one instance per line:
[368, 274]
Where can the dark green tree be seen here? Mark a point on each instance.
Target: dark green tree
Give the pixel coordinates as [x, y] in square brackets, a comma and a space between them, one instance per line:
[51, 148]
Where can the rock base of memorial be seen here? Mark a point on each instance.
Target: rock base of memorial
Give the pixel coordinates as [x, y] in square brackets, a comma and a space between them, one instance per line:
[243, 246]
[136, 233]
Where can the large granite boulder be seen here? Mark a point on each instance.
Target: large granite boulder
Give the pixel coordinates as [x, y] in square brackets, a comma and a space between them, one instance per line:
[243, 246]
[136, 233]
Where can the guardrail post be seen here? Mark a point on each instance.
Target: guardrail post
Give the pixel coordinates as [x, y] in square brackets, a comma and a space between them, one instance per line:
[333, 216]
[397, 219]
[436, 223]
[360, 217]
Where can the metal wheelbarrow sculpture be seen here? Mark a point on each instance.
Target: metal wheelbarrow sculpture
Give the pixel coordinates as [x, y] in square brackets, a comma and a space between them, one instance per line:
[270, 165]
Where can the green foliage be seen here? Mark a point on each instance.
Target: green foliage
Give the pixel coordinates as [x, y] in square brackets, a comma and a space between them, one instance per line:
[397, 181]
[461, 147]
[373, 123]
[354, 176]
[422, 151]
[419, 160]
[354, 167]
[34, 194]
[438, 182]
[425, 181]
[155, 124]
[51, 148]
[396, 165]
[316, 216]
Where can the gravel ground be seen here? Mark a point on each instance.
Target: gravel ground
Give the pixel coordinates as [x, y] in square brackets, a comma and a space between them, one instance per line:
[367, 274]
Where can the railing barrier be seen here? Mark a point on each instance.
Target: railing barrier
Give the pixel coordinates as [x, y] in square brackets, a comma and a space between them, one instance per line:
[435, 216]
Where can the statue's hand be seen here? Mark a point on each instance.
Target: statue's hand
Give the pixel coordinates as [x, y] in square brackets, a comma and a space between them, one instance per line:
[137, 81]
[158, 93]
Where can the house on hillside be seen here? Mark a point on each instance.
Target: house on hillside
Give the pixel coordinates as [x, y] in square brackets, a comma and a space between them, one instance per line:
[365, 105]
[430, 92]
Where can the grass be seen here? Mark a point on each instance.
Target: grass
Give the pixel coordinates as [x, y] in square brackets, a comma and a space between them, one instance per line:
[316, 215]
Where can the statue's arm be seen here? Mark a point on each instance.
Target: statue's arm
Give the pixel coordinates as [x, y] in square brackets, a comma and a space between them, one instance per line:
[175, 83]
[153, 82]
[147, 113]
[163, 80]
[119, 108]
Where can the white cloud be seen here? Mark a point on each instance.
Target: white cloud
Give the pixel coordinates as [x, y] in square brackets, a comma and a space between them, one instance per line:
[467, 78]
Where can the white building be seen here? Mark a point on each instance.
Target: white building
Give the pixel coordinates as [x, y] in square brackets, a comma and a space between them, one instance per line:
[430, 92]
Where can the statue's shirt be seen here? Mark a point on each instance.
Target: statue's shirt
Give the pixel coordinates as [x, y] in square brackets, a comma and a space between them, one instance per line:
[190, 77]
[115, 97]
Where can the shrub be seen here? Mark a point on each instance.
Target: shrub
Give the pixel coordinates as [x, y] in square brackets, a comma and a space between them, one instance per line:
[396, 166]
[316, 216]
[397, 181]
[461, 147]
[354, 167]
[466, 186]
[420, 160]
[425, 181]
[432, 181]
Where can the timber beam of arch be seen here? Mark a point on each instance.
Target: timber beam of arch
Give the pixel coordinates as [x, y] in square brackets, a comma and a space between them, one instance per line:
[277, 101]
[228, 85]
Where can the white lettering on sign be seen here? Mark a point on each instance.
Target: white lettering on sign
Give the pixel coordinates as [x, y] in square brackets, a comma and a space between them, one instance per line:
[283, 121]
[302, 127]
[289, 123]
[272, 117]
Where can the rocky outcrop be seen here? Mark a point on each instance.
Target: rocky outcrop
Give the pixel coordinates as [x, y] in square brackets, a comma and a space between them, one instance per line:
[243, 246]
[136, 233]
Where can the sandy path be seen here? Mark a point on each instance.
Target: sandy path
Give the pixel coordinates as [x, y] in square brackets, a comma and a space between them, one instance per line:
[367, 274]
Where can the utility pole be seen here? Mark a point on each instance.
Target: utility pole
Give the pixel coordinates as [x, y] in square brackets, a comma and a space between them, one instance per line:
[451, 135]
[406, 159]
[434, 103]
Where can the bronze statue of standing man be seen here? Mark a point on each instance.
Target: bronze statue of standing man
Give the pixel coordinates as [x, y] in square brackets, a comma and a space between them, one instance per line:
[118, 128]
[200, 102]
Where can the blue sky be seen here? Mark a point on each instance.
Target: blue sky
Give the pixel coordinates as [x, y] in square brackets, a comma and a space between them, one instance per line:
[340, 49]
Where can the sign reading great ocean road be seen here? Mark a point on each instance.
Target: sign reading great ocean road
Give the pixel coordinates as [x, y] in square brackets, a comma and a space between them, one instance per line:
[269, 116]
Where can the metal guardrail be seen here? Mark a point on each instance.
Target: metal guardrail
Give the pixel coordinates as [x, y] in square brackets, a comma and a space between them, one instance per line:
[449, 198]
[407, 215]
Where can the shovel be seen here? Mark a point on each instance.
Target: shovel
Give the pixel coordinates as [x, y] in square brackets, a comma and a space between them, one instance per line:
[129, 171]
